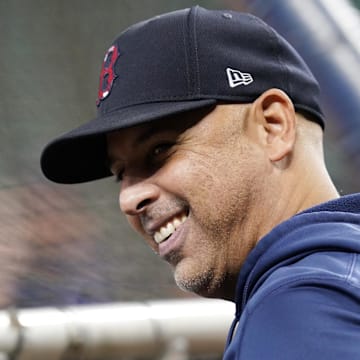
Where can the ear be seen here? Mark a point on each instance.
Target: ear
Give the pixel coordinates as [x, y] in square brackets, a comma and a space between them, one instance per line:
[276, 119]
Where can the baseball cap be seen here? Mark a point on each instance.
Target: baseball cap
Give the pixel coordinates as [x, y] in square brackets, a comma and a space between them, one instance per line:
[178, 62]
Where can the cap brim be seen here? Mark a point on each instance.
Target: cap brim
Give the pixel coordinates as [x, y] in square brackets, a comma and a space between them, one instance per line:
[81, 154]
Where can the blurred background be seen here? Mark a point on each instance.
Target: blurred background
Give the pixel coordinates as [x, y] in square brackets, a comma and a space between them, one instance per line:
[66, 245]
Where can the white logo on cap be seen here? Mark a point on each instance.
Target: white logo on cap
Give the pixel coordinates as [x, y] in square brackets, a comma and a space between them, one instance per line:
[236, 78]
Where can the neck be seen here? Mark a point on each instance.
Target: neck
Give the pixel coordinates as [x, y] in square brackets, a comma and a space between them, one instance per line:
[307, 190]
[295, 193]
[317, 187]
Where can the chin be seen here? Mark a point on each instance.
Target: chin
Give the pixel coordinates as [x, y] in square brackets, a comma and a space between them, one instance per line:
[198, 281]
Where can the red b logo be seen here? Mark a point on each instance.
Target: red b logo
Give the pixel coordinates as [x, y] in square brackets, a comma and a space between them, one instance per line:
[107, 75]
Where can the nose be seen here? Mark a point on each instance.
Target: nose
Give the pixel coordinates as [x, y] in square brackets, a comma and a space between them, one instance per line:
[135, 198]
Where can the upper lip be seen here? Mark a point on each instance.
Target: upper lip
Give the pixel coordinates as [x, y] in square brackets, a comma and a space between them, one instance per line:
[152, 226]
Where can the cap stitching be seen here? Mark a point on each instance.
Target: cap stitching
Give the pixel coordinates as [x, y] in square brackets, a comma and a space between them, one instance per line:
[188, 80]
[197, 71]
[283, 65]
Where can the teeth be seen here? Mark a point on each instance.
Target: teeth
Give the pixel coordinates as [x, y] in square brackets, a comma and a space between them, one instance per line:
[176, 223]
[166, 230]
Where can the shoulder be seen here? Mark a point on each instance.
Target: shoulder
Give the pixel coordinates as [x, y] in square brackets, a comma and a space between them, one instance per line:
[308, 310]
[335, 268]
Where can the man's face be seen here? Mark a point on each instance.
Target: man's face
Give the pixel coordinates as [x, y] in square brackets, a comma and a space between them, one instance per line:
[189, 185]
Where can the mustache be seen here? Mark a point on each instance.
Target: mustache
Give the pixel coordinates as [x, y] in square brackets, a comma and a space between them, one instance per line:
[162, 210]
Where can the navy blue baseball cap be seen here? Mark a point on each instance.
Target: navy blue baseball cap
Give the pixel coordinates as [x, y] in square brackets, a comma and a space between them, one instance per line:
[177, 62]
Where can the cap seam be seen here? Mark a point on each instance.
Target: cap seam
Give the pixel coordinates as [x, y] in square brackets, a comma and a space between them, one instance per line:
[197, 83]
[276, 54]
[194, 61]
[187, 61]
[283, 65]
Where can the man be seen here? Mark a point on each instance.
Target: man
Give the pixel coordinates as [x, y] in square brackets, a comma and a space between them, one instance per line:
[212, 124]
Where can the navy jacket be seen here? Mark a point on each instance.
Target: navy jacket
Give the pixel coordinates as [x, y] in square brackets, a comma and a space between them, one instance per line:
[298, 293]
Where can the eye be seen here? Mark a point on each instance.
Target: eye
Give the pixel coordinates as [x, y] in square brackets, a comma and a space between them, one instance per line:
[158, 154]
[161, 149]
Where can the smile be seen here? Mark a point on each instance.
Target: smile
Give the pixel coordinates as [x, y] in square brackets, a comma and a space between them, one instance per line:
[169, 228]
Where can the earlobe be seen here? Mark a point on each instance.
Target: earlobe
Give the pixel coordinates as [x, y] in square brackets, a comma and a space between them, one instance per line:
[276, 116]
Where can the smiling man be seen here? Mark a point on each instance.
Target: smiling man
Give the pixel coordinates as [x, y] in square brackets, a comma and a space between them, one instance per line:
[212, 125]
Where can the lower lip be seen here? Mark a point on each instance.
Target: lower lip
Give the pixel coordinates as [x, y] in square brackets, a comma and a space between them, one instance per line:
[174, 242]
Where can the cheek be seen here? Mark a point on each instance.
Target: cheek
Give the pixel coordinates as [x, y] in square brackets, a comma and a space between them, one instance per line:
[201, 185]
[190, 175]
[217, 190]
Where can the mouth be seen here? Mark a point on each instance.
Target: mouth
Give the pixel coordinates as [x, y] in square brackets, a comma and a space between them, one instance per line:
[169, 228]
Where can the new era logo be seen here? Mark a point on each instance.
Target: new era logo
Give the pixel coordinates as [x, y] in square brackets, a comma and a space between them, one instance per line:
[236, 77]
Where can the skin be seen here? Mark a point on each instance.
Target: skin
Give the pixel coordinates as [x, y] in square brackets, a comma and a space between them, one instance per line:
[227, 170]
